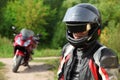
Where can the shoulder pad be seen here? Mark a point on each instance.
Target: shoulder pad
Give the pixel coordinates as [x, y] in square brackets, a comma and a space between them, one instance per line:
[97, 55]
[108, 59]
[66, 49]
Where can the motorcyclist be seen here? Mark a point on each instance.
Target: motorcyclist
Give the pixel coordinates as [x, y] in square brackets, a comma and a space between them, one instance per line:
[84, 58]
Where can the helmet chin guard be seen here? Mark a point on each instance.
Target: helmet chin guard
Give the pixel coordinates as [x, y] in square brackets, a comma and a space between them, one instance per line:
[76, 42]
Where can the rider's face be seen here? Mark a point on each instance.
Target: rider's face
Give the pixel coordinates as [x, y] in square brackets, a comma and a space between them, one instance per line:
[78, 35]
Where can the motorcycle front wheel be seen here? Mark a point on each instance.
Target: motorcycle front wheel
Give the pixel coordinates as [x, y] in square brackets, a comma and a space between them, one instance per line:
[17, 63]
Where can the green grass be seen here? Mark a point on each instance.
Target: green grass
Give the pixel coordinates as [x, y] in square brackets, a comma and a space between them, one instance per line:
[6, 47]
[47, 52]
[2, 77]
[1, 65]
[8, 52]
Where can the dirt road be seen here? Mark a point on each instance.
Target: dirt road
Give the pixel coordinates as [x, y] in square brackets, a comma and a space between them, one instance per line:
[38, 71]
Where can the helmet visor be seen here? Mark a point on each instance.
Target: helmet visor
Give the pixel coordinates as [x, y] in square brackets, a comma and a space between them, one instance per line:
[73, 28]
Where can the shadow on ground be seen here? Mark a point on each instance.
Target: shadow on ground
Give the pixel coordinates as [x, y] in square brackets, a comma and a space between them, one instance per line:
[37, 68]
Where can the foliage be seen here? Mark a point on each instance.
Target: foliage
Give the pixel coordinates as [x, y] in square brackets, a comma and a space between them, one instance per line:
[2, 5]
[111, 37]
[110, 11]
[60, 30]
[32, 14]
[59, 36]
[25, 14]
[111, 26]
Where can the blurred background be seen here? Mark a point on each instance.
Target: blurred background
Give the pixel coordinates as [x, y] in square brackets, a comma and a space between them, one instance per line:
[45, 17]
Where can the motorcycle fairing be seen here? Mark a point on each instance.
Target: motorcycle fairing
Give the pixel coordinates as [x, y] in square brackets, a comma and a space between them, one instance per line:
[19, 41]
[21, 53]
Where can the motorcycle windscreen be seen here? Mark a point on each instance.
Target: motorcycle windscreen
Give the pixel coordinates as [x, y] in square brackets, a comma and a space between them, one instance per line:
[27, 33]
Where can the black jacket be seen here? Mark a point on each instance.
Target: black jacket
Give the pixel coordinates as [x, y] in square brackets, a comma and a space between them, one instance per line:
[94, 63]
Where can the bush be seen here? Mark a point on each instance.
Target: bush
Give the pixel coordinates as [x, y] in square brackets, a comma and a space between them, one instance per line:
[6, 48]
[110, 37]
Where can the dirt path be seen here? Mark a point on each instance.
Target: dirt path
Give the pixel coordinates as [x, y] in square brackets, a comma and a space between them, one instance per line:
[38, 71]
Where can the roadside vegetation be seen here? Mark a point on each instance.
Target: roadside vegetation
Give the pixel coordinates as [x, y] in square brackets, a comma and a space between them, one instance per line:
[2, 77]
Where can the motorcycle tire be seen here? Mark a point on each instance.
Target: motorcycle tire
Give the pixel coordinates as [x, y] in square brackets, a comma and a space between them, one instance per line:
[17, 64]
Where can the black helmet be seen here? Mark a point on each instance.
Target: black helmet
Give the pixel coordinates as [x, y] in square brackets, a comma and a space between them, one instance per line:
[77, 18]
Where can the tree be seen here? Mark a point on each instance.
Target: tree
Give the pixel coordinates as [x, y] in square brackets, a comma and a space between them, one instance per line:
[2, 5]
[59, 37]
[31, 14]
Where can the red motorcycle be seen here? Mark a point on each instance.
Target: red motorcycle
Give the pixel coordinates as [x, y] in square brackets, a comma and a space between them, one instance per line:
[24, 43]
